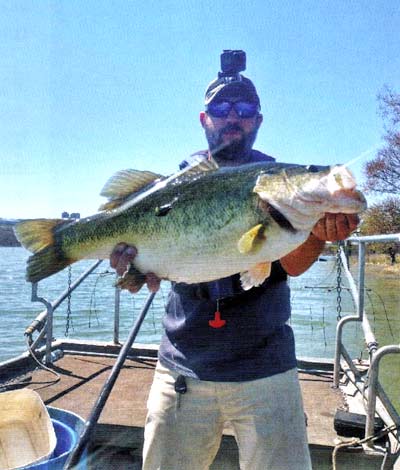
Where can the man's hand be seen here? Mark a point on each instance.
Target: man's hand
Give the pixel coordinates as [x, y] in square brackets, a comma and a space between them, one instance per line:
[120, 259]
[332, 227]
[335, 227]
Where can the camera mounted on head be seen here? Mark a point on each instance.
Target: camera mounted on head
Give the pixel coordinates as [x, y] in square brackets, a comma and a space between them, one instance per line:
[230, 82]
[232, 63]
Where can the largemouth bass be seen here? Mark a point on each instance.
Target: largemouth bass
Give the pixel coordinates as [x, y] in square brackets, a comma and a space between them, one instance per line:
[205, 224]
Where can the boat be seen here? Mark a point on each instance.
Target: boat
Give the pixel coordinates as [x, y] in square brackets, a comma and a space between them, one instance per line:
[351, 422]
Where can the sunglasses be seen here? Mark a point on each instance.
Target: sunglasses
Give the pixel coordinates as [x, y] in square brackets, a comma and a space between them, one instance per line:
[221, 109]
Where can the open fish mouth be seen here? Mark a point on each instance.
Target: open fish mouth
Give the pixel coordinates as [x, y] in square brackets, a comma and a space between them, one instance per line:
[338, 186]
[349, 201]
[346, 199]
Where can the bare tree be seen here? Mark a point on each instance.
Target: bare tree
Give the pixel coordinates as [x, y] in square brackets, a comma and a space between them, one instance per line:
[383, 172]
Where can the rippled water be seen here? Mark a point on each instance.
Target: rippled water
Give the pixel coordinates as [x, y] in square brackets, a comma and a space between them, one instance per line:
[91, 313]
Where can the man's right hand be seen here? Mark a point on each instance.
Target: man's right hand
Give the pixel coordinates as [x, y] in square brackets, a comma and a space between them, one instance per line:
[120, 259]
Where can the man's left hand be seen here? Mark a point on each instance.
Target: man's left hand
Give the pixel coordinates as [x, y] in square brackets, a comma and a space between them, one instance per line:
[335, 227]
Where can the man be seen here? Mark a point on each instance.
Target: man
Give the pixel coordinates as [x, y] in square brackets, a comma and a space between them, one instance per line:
[227, 356]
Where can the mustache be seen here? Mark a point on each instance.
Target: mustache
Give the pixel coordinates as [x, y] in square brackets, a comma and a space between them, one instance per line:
[231, 127]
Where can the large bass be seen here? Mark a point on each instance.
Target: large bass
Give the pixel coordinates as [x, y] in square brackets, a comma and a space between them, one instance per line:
[199, 225]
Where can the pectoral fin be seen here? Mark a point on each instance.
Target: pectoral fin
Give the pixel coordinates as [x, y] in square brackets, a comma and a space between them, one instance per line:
[252, 240]
[255, 276]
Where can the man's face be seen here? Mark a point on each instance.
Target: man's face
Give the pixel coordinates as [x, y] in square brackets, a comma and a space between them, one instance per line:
[231, 137]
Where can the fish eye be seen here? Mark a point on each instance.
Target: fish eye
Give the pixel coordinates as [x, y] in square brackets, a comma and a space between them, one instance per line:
[313, 168]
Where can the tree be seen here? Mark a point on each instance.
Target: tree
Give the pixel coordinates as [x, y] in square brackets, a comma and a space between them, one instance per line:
[382, 217]
[383, 172]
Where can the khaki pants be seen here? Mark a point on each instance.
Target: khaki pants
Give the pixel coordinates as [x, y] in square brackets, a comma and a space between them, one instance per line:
[183, 432]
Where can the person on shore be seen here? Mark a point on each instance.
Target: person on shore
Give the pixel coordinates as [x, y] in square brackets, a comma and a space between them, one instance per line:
[392, 254]
[228, 356]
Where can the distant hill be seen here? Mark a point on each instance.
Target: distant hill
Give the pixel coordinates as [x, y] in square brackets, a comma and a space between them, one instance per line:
[7, 237]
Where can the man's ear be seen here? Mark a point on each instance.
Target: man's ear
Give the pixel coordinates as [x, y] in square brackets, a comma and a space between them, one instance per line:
[259, 120]
[202, 118]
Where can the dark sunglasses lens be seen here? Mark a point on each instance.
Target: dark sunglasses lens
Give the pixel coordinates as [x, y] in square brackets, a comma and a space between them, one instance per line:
[246, 109]
[219, 109]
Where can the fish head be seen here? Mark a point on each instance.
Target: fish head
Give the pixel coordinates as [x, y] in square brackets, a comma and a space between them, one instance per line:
[303, 194]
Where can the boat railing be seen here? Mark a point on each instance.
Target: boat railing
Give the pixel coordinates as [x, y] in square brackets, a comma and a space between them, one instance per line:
[43, 323]
[342, 357]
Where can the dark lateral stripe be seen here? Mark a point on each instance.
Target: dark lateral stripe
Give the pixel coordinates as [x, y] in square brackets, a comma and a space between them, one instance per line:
[280, 219]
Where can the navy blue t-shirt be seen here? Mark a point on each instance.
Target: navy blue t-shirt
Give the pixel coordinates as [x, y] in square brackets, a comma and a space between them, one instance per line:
[216, 331]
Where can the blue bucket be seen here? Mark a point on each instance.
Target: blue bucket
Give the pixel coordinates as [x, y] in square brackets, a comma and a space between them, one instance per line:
[67, 426]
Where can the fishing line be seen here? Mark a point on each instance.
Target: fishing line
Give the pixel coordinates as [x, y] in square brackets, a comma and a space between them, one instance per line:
[324, 326]
[93, 300]
[384, 309]
[362, 155]
[311, 322]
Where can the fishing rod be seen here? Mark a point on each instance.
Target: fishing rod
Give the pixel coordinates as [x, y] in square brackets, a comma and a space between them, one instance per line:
[84, 437]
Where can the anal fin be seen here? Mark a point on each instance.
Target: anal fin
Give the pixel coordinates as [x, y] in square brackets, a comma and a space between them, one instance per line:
[255, 275]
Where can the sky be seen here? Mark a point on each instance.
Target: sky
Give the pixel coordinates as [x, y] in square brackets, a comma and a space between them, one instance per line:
[90, 88]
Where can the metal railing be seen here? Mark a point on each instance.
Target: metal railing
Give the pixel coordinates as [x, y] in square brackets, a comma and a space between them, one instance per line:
[43, 323]
[374, 389]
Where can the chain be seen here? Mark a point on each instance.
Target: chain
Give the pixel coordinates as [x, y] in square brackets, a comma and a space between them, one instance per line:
[339, 283]
[69, 318]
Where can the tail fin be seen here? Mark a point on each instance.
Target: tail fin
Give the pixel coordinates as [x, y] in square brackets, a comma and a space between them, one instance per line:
[38, 236]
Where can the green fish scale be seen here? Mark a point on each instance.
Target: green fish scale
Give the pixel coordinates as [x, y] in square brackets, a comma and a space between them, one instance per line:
[201, 205]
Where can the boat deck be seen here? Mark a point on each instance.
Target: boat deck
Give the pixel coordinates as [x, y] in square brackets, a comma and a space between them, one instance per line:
[82, 378]
[118, 437]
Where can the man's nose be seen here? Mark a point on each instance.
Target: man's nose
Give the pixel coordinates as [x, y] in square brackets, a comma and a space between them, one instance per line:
[232, 116]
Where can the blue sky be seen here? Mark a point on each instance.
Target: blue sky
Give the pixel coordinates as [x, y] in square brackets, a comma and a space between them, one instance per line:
[89, 88]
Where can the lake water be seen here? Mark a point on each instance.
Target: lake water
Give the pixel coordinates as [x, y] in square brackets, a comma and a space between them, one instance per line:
[91, 312]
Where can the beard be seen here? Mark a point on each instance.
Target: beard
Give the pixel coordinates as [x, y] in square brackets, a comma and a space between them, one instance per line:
[237, 149]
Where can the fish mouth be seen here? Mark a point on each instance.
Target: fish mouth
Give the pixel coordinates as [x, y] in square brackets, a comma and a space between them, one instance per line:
[349, 201]
[303, 199]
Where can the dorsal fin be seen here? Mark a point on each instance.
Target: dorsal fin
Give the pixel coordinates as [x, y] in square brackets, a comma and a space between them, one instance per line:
[200, 162]
[123, 184]
[126, 182]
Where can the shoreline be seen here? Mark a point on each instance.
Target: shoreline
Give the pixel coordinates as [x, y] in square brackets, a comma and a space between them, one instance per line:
[378, 265]
[7, 236]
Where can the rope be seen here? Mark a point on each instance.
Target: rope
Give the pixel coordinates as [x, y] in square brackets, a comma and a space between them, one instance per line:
[358, 441]
[42, 366]
[341, 446]
[12, 384]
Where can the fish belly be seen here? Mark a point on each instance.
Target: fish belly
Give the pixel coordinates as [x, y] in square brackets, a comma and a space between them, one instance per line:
[197, 252]
[202, 264]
